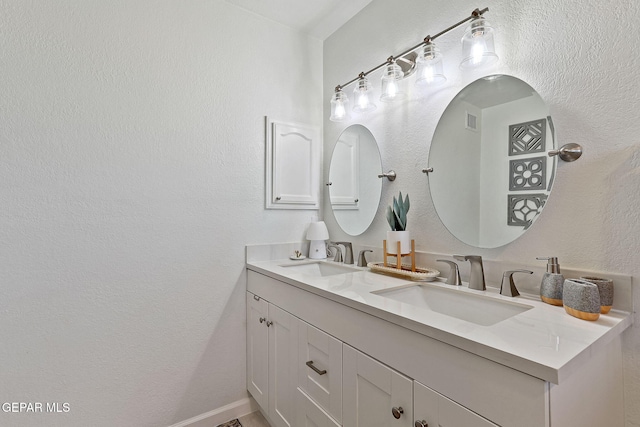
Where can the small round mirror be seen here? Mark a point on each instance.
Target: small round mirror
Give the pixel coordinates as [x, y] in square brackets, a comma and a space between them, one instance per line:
[491, 172]
[355, 188]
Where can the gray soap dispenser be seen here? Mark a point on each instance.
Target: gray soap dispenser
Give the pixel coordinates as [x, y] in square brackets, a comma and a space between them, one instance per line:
[552, 281]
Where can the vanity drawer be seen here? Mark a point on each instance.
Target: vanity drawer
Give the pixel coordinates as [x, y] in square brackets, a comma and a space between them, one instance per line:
[320, 368]
[436, 410]
[309, 414]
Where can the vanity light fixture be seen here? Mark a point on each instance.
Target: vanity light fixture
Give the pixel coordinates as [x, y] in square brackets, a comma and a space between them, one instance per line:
[339, 102]
[478, 50]
[391, 81]
[363, 96]
[477, 44]
[429, 65]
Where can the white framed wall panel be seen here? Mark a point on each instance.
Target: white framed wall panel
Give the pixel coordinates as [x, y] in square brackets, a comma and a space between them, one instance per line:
[293, 165]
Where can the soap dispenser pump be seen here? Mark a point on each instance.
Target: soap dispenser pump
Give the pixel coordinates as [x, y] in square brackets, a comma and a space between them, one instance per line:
[552, 282]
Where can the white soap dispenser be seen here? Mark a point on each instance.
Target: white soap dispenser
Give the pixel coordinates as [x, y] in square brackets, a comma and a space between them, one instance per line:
[552, 282]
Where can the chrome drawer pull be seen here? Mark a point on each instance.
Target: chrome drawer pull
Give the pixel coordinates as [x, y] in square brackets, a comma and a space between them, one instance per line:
[256, 297]
[317, 371]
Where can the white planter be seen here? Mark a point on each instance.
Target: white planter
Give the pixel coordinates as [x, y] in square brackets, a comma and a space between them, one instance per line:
[393, 237]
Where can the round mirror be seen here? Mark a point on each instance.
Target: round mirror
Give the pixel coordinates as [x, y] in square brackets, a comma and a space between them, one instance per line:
[355, 188]
[491, 172]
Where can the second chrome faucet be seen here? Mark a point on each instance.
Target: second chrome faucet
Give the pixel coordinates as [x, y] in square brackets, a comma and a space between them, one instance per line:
[476, 277]
[348, 251]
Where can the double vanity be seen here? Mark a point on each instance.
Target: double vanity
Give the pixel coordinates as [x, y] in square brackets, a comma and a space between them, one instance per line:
[335, 345]
[330, 344]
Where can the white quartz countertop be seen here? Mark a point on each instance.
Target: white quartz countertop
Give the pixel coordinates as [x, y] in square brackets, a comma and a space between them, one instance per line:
[543, 341]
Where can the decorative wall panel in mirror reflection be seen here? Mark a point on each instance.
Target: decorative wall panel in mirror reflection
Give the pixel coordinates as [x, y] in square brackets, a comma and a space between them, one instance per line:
[529, 173]
[490, 181]
[526, 138]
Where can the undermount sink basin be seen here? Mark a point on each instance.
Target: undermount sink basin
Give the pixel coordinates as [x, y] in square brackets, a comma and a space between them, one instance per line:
[319, 269]
[479, 309]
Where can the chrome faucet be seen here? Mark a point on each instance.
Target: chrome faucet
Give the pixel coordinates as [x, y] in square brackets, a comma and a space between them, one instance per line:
[454, 273]
[338, 257]
[476, 277]
[362, 260]
[348, 254]
[508, 287]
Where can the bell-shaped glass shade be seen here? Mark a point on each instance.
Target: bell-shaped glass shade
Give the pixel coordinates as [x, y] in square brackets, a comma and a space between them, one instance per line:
[363, 96]
[339, 102]
[391, 83]
[429, 66]
[478, 49]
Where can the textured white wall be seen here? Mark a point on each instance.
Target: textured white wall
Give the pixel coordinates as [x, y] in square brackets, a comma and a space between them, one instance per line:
[131, 177]
[582, 56]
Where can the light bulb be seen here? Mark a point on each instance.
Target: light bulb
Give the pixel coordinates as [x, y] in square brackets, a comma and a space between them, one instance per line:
[392, 89]
[477, 51]
[363, 102]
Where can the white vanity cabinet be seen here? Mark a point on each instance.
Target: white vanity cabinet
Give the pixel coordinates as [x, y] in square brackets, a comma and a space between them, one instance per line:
[272, 354]
[374, 394]
[386, 365]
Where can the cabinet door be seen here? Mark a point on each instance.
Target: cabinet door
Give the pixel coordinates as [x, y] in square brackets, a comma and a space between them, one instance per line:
[371, 391]
[293, 166]
[309, 414]
[283, 360]
[324, 353]
[438, 411]
[257, 349]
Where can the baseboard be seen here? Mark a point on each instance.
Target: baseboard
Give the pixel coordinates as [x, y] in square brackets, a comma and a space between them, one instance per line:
[221, 415]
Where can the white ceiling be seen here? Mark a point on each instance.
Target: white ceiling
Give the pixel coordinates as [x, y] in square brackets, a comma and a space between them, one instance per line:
[318, 18]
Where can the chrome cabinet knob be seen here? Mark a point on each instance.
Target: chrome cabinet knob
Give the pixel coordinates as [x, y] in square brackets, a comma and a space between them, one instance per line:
[262, 319]
[269, 323]
[397, 412]
[422, 423]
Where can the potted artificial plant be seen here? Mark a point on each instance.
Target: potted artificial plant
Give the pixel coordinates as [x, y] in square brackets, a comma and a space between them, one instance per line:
[397, 219]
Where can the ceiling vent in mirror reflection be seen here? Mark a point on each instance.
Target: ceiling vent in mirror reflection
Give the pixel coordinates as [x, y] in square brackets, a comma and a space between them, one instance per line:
[354, 186]
[492, 184]
[472, 122]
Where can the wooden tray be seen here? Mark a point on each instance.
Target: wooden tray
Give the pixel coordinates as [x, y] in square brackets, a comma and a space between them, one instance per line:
[420, 275]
